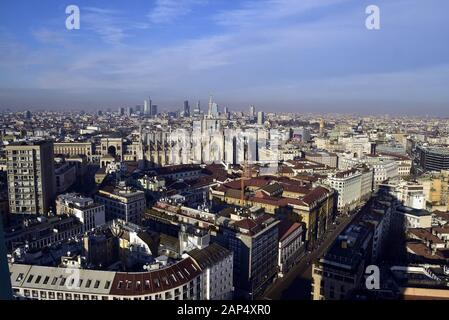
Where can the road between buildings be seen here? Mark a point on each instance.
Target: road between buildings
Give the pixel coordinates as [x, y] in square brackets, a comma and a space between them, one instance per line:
[296, 284]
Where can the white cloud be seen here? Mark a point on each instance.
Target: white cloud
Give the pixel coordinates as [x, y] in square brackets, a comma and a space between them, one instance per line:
[166, 11]
[47, 36]
[259, 12]
[110, 25]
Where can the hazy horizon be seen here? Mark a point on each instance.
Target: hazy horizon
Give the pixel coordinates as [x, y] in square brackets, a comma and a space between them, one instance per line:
[280, 55]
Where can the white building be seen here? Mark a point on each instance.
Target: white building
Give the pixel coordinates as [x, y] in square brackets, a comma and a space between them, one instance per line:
[352, 186]
[384, 170]
[413, 218]
[207, 274]
[358, 145]
[191, 238]
[91, 214]
[217, 265]
[410, 194]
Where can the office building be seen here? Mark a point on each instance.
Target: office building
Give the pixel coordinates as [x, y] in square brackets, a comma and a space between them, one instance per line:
[260, 118]
[433, 158]
[254, 243]
[186, 109]
[252, 111]
[197, 110]
[154, 110]
[31, 177]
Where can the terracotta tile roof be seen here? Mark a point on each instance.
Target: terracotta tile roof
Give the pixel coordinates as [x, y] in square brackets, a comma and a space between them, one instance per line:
[425, 234]
[286, 228]
[315, 195]
[140, 283]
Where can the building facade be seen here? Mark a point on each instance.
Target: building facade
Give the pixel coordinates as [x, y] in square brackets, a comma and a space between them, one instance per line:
[122, 203]
[31, 177]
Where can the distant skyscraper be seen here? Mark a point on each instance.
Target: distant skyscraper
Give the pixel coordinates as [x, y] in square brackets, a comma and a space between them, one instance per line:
[321, 127]
[147, 107]
[121, 111]
[260, 118]
[154, 110]
[252, 111]
[209, 109]
[129, 111]
[31, 179]
[186, 109]
[28, 115]
[5, 279]
[197, 109]
[214, 110]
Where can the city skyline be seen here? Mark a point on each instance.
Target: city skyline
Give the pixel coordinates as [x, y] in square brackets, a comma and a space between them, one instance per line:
[289, 55]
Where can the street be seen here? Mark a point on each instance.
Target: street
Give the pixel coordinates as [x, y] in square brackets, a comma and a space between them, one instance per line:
[296, 284]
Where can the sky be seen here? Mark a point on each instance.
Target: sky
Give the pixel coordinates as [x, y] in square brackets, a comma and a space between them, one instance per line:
[280, 55]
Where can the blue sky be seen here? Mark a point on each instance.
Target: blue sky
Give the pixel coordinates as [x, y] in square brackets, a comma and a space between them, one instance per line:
[285, 55]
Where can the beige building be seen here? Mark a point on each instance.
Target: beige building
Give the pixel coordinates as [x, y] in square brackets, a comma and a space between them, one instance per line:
[31, 177]
[74, 149]
[436, 187]
[112, 147]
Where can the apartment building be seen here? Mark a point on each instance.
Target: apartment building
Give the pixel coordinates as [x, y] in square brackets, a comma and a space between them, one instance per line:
[31, 177]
